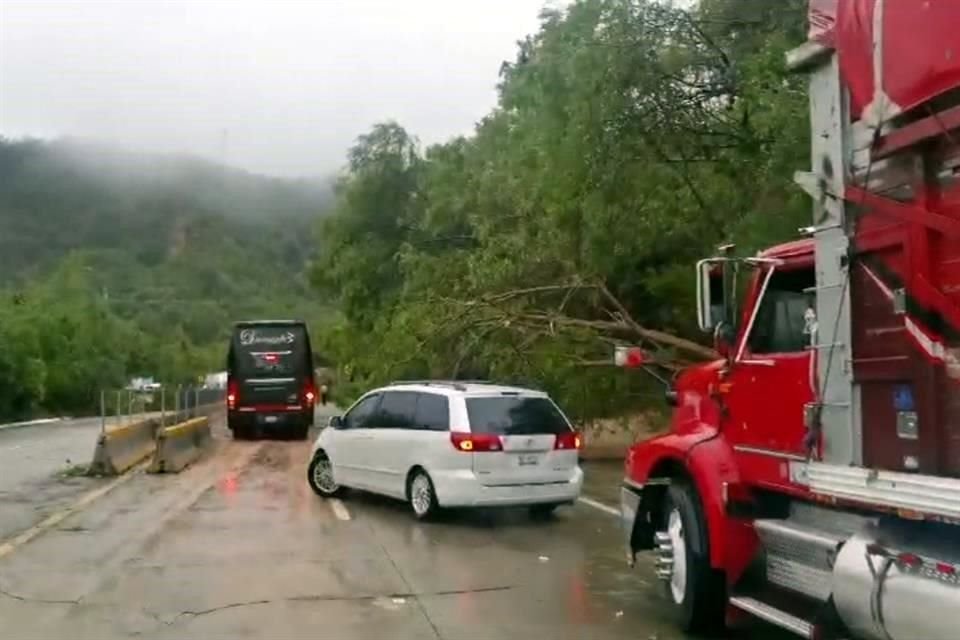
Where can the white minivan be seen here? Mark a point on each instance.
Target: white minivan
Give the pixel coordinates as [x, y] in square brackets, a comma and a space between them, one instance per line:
[451, 444]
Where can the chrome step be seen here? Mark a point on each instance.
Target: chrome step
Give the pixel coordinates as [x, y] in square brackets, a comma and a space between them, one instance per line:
[774, 616]
[799, 557]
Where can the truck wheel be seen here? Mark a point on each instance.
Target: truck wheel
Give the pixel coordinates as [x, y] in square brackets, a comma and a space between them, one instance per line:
[696, 591]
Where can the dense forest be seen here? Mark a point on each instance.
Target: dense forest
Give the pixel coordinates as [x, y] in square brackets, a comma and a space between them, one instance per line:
[630, 138]
[115, 264]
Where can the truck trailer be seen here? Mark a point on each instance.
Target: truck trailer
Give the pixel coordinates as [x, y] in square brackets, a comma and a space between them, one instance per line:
[811, 474]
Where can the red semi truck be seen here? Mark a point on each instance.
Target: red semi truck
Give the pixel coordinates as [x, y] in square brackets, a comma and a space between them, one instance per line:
[811, 477]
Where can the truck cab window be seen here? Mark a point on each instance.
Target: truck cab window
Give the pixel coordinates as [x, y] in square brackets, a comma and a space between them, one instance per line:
[781, 324]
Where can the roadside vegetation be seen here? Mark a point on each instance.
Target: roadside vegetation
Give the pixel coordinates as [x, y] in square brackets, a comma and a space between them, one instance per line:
[630, 139]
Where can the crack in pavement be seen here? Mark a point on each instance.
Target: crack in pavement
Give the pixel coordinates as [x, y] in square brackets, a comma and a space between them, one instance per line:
[323, 598]
[19, 598]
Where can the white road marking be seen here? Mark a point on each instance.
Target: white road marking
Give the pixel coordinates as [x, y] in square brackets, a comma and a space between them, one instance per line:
[590, 502]
[339, 509]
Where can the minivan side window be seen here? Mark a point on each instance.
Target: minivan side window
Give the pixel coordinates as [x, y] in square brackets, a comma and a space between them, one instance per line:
[397, 410]
[433, 413]
[359, 417]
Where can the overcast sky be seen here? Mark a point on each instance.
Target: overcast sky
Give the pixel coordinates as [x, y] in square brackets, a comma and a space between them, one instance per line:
[291, 83]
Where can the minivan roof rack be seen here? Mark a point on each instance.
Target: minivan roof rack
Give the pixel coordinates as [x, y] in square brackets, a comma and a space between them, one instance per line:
[460, 385]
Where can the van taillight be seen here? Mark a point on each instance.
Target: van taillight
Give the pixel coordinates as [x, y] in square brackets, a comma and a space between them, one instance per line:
[232, 388]
[569, 440]
[309, 394]
[475, 442]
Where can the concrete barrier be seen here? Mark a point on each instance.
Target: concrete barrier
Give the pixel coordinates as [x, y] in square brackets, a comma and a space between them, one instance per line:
[180, 445]
[121, 448]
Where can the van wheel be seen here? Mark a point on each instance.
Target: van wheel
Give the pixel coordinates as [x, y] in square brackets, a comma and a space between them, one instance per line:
[694, 589]
[543, 511]
[423, 498]
[320, 477]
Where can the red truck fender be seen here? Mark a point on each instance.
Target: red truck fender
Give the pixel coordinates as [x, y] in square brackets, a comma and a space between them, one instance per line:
[704, 459]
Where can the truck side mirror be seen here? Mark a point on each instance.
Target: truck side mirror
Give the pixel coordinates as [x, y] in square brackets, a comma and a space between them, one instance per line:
[706, 305]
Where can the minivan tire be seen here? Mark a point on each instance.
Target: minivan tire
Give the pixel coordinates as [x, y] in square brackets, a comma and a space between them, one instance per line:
[314, 477]
[422, 496]
[543, 511]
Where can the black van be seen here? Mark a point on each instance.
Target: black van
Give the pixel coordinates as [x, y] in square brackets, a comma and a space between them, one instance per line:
[270, 379]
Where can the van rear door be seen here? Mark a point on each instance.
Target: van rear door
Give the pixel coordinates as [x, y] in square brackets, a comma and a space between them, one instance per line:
[270, 366]
[536, 441]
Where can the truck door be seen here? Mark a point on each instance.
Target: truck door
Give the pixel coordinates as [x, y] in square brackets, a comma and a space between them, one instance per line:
[771, 377]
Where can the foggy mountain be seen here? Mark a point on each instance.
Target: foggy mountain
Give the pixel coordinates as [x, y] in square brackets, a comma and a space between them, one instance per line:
[56, 197]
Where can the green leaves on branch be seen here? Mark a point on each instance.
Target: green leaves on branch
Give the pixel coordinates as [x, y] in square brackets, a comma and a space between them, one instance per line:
[630, 138]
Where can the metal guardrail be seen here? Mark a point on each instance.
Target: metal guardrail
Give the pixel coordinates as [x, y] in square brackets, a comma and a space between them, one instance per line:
[171, 405]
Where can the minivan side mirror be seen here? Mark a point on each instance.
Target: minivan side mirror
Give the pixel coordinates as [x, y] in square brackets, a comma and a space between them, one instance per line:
[336, 422]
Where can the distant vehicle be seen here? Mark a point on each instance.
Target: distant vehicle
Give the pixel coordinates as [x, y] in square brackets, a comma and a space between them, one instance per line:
[441, 444]
[143, 384]
[270, 380]
[216, 380]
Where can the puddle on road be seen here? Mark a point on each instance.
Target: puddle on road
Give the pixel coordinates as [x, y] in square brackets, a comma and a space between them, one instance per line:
[273, 457]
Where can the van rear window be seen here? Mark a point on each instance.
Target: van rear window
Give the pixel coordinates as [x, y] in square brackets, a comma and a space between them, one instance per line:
[266, 352]
[515, 416]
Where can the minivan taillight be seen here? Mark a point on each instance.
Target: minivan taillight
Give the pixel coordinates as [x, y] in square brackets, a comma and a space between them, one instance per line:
[232, 389]
[309, 394]
[568, 440]
[475, 442]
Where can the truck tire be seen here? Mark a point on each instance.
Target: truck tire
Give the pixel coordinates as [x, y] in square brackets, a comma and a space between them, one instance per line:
[695, 590]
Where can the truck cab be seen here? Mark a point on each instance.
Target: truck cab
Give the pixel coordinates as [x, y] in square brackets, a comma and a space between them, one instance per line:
[811, 473]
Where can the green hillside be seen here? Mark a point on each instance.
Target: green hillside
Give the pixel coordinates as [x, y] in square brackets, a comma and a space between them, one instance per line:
[162, 253]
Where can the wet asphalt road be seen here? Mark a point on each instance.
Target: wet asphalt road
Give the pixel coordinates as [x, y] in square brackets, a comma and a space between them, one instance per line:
[30, 458]
[238, 546]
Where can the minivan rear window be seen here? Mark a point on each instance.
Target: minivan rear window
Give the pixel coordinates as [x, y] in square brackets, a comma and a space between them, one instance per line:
[515, 416]
[270, 351]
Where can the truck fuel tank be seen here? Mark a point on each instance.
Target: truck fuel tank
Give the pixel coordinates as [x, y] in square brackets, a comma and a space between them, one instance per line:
[896, 582]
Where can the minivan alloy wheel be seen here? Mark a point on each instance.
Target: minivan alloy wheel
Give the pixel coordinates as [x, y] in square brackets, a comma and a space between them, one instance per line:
[421, 495]
[321, 476]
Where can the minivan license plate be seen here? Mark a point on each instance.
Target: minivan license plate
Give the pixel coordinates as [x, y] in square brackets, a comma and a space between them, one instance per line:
[528, 460]
[270, 419]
